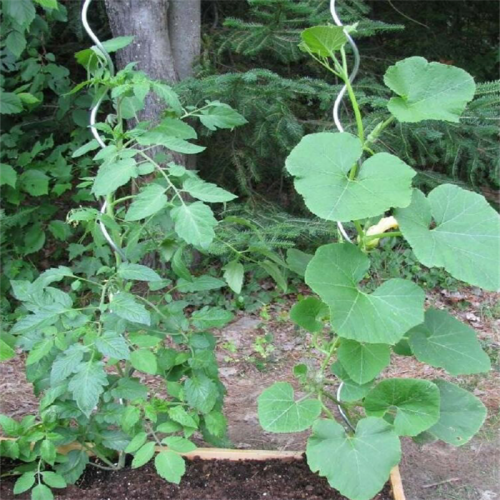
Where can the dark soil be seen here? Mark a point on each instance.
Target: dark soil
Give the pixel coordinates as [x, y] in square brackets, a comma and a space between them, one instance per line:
[204, 480]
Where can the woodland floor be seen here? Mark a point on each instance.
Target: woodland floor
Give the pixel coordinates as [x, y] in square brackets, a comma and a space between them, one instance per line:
[430, 472]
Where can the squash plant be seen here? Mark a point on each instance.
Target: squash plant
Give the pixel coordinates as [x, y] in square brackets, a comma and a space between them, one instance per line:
[91, 342]
[341, 179]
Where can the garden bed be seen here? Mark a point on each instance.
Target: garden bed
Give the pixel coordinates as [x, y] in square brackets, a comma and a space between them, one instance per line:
[273, 479]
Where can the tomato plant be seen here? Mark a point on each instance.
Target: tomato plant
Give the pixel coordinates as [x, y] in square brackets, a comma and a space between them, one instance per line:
[357, 329]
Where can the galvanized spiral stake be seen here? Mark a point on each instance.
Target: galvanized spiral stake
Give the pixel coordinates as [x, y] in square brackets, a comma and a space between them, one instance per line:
[340, 128]
[93, 117]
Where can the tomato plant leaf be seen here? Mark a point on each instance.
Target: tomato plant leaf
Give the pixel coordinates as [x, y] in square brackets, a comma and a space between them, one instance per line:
[111, 176]
[148, 202]
[206, 191]
[137, 272]
[201, 393]
[170, 466]
[113, 345]
[194, 223]
[124, 305]
[144, 360]
[87, 385]
[143, 455]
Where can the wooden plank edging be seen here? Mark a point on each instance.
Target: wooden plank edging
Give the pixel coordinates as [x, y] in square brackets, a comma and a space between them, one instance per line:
[235, 455]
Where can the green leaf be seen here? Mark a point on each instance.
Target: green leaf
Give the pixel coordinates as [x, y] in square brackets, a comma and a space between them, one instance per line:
[73, 468]
[461, 414]
[40, 350]
[465, 239]
[16, 43]
[48, 451]
[53, 480]
[194, 223]
[60, 230]
[413, 402]
[234, 274]
[9, 426]
[428, 91]
[177, 128]
[211, 317]
[279, 412]
[87, 385]
[276, 274]
[90, 146]
[6, 351]
[24, 482]
[148, 202]
[358, 466]
[323, 40]
[363, 362]
[201, 393]
[170, 466]
[137, 441]
[137, 272]
[216, 423]
[27, 98]
[168, 95]
[382, 317]
[219, 116]
[206, 191]
[180, 415]
[111, 176]
[10, 104]
[41, 492]
[21, 11]
[350, 390]
[308, 313]
[199, 283]
[144, 455]
[179, 444]
[35, 182]
[48, 4]
[444, 342]
[144, 361]
[157, 137]
[179, 267]
[297, 261]
[125, 306]
[321, 164]
[120, 42]
[113, 345]
[67, 363]
[7, 175]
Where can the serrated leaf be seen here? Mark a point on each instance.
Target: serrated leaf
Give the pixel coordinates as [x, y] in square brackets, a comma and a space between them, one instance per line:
[211, 317]
[323, 41]
[41, 492]
[428, 91]
[194, 223]
[279, 412]
[34, 182]
[444, 342]
[137, 272]
[111, 176]
[308, 312]
[87, 385]
[24, 482]
[177, 128]
[21, 11]
[7, 175]
[10, 104]
[321, 163]
[461, 414]
[414, 403]
[206, 191]
[120, 42]
[137, 441]
[465, 239]
[179, 267]
[73, 468]
[179, 444]
[157, 137]
[16, 43]
[125, 306]
[144, 360]
[90, 146]
[180, 415]
[201, 393]
[199, 284]
[221, 116]
[48, 4]
[9, 426]
[40, 350]
[381, 317]
[143, 455]
[216, 423]
[358, 466]
[113, 345]
[168, 95]
[48, 451]
[363, 362]
[234, 274]
[170, 466]
[53, 480]
[148, 202]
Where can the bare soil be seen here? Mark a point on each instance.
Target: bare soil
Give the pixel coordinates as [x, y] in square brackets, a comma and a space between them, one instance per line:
[204, 480]
[431, 472]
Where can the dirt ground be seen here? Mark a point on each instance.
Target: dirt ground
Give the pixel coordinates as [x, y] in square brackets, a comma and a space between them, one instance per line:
[256, 350]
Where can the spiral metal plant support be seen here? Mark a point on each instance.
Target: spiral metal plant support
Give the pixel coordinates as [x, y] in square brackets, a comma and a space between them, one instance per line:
[340, 128]
[93, 117]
